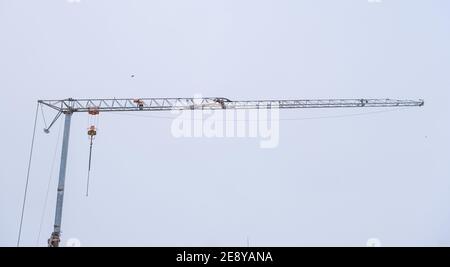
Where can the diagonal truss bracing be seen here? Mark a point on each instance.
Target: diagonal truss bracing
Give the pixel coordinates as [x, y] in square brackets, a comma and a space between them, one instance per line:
[71, 105]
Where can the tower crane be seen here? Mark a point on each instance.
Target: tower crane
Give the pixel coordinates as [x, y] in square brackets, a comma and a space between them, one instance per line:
[69, 106]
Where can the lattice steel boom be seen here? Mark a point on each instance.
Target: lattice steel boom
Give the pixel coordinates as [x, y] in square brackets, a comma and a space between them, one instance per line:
[95, 106]
[160, 104]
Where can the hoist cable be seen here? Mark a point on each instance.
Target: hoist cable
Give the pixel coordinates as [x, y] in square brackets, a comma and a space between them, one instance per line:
[28, 175]
[89, 168]
[281, 119]
[43, 117]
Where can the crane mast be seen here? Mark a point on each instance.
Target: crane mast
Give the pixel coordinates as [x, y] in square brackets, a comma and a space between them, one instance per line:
[69, 106]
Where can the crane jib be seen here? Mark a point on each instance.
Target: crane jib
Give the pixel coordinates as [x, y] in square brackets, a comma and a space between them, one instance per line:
[71, 105]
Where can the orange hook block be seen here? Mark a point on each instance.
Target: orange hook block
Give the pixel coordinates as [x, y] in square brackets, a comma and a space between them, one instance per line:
[92, 131]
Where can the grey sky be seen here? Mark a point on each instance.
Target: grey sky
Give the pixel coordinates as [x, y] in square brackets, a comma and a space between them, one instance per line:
[337, 181]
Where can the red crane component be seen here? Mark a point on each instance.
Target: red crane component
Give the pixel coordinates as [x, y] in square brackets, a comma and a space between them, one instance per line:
[92, 131]
[93, 110]
[140, 103]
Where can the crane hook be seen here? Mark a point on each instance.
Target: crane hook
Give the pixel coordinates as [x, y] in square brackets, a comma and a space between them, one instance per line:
[92, 132]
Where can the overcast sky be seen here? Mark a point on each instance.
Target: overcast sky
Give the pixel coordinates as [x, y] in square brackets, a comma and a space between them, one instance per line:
[331, 181]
